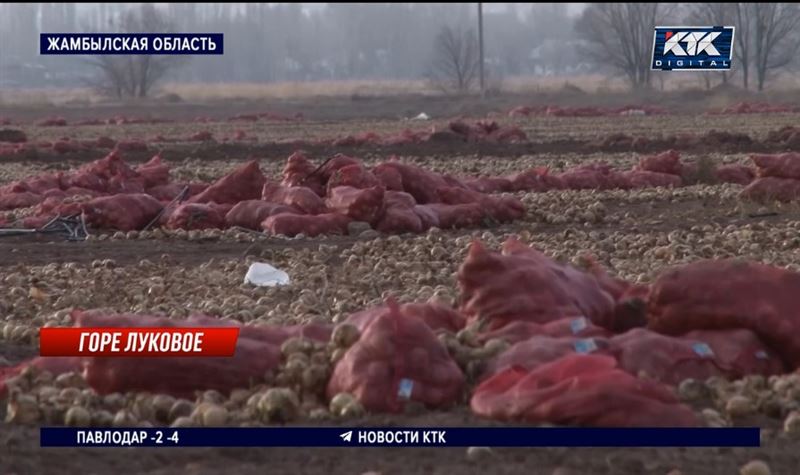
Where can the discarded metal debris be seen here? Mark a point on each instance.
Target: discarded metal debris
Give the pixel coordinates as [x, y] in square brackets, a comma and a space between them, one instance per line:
[73, 228]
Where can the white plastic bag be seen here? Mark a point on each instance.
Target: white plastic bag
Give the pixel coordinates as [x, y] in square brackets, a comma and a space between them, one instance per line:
[264, 275]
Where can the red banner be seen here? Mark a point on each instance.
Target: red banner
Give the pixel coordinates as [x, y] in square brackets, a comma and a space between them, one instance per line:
[217, 341]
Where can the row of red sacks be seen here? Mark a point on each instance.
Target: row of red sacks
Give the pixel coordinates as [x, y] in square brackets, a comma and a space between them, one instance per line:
[486, 131]
[743, 107]
[778, 178]
[558, 111]
[66, 145]
[123, 120]
[398, 344]
[481, 131]
[13, 142]
[393, 197]
[580, 354]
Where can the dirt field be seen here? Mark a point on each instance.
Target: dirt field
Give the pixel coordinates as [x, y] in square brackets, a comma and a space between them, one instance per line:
[706, 220]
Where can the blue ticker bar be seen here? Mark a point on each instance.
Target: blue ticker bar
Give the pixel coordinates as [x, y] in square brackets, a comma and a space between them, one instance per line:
[400, 437]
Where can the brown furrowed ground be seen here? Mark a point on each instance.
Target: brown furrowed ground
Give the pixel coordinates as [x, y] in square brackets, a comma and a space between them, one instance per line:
[637, 234]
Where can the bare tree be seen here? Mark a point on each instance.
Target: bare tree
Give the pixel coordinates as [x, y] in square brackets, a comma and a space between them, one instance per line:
[620, 36]
[775, 39]
[456, 60]
[135, 75]
[721, 14]
[743, 50]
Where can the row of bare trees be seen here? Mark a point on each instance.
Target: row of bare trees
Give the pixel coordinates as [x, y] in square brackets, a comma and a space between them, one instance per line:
[456, 60]
[620, 35]
[134, 75]
[270, 42]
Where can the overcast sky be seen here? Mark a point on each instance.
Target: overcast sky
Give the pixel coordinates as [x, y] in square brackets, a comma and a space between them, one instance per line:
[574, 8]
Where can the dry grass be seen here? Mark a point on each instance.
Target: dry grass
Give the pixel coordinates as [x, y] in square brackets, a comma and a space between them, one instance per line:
[47, 97]
[190, 92]
[295, 90]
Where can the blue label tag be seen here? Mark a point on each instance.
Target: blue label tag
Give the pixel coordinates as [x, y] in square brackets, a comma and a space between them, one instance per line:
[703, 350]
[585, 346]
[404, 388]
[578, 325]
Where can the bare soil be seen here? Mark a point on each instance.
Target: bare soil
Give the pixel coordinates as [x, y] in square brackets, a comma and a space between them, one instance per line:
[279, 151]
[20, 453]
[338, 108]
[649, 216]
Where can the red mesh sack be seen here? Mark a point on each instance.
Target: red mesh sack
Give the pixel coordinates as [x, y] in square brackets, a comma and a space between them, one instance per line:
[359, 204]
[354, 175]
[244, 183]
[666, 162]
[419, 183]
[740, 352]
[109, 166]
[399, 214]
[428, 217]
[782, 165]
[309, 225]
[41, 183]
[436, 316]
[455, 216]
[516, 331]
[297, 172]
[298, 197]
[389, 176]
[338, 162]
[399, 220]
[179, 376]
[772, 189]
[119, 184]
[739, 174]
[86, 180]
[251, 213]
[196, 216]
[66, 206]
[272, 334]
[524, 284]
[538, 350]
[399, 198]
[580, 390]
[647, 179]
[19, 200]
[126, 212]
[586, 179]
[397, 359]
[154, 172]
[664, 358]
[536, 179]
[727, 294]
[171, 191]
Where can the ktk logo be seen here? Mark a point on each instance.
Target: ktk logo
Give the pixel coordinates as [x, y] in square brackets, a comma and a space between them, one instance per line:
[692, 48]
[696, 43]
